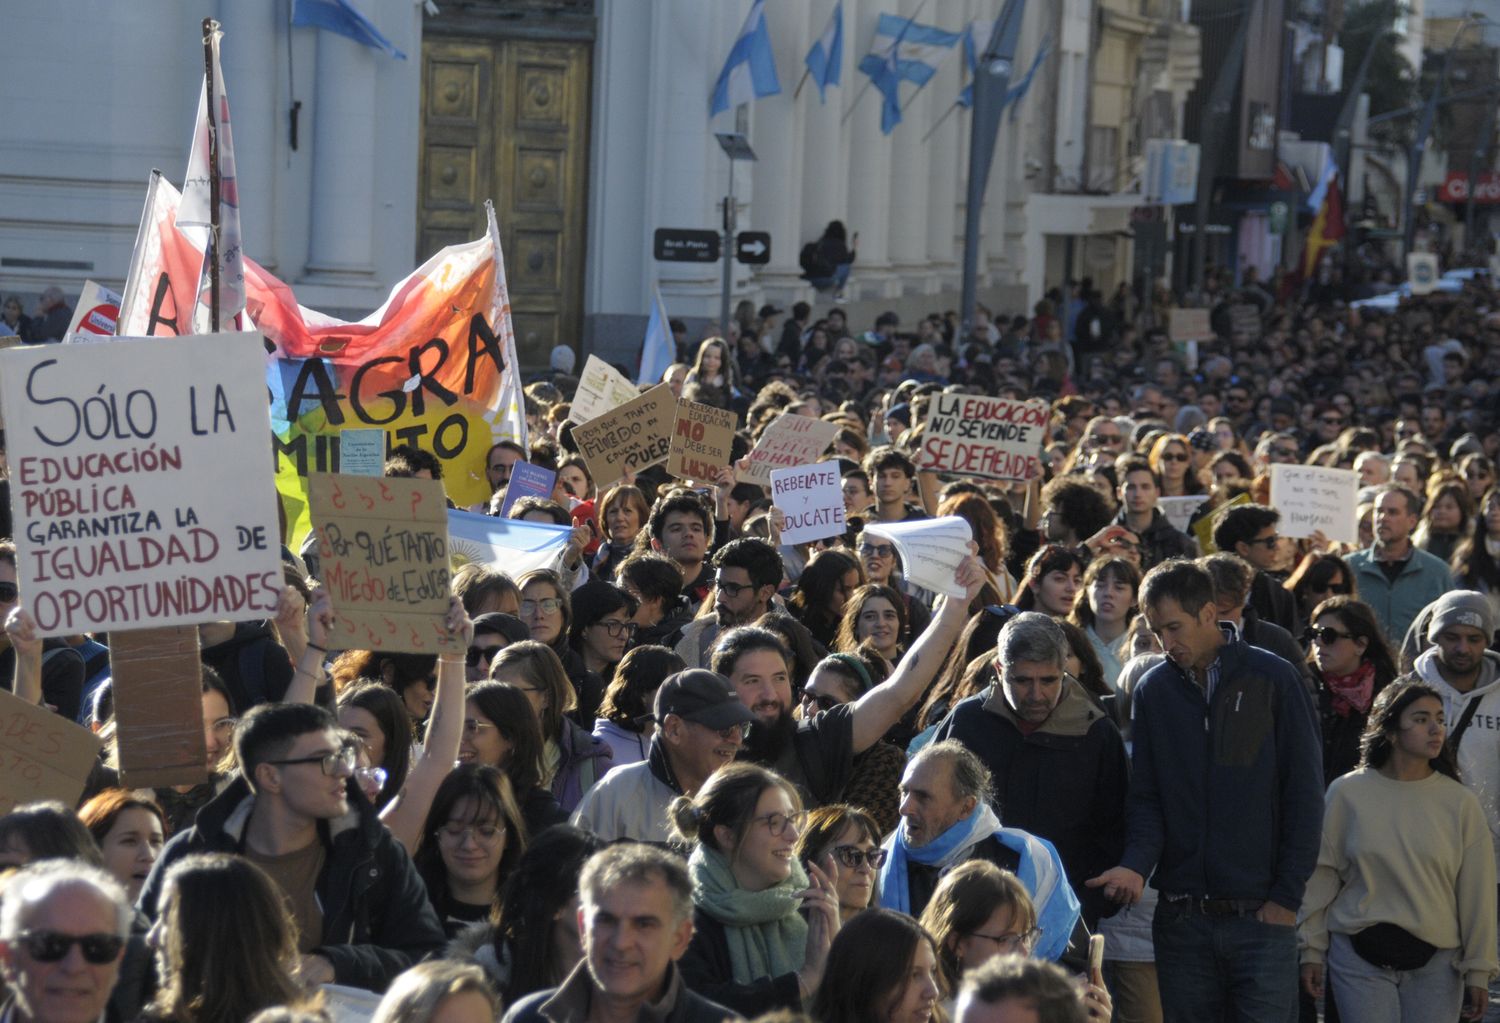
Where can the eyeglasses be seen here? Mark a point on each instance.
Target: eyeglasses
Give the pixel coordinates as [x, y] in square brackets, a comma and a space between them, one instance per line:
[1010, 941]
[484, 834]
[335, 763]
[615, 628]
[549, 606]
[1325, 635]
[852, 856]
[731, 590]
[1177, 457]
[478, 654]
[1342, 589]
[777, 823]
[53, 946]
[1267, 542]
[224, 727]
[877, 550]
[1331, 420]
[822, 700]
[734, 733]
[473, 726]
[1102, 439]
[371, 779]
[1283, 452]
[9, 592]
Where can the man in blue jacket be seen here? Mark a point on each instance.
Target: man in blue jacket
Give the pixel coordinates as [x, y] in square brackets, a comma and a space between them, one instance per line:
[1226, 806]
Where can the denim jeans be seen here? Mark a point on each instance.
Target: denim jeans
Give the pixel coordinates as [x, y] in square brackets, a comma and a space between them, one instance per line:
[838, 280]
[1370, 994]
[1233, 969]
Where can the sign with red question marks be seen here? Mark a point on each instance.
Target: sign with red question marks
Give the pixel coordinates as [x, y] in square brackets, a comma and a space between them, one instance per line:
[383, 552]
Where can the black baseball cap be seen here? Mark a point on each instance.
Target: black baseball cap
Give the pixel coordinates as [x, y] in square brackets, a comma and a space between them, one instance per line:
[500, 624]
[702, 697]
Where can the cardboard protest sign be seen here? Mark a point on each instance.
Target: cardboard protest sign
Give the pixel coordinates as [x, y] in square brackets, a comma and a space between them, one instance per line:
[527, 480]
[1190, 325]
[702, 440]
[95, 315]
[996, 438]
[931, 550]
[383, 546]
[1312, 498]
[789, 441]
[1244, 319]
[1203, 529]
[157, 679]
[510, 544]
[812, 498]
[600, 389]
[141, 486]
[628, 438]
[1179, 510]
[42, 755]
[362, 452]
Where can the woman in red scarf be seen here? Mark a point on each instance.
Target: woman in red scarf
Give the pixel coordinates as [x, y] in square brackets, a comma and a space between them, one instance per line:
[1352, 664]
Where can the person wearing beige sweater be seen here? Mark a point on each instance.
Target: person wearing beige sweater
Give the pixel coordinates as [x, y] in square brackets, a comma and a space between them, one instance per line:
[1401, 906]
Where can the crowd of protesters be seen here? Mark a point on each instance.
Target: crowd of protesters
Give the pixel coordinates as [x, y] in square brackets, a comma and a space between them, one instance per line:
[694, 773]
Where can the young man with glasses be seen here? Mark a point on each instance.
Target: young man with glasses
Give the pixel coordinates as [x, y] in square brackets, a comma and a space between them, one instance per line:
[747, 573]
[1250, 532]
[1059, 759]
[700, 727]
[362, 911]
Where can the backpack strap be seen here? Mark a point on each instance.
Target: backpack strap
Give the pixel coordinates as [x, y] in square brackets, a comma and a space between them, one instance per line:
[1464, 720]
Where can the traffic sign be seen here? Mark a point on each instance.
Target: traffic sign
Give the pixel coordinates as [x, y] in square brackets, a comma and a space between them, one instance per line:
[685, 245]
[753, 247]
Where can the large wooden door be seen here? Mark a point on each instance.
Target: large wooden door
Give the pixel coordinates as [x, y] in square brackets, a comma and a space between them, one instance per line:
[507, 119]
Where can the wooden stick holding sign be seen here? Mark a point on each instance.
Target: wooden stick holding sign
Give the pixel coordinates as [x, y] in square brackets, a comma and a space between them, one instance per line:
[384, 550]
[158, 682]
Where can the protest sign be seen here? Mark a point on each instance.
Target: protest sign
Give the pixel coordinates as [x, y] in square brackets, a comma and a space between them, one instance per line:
[158, 681]
[42, 755]
[996, 438]
[95, 315]
[812, 498]
[1244, 319]
[141, 486]
[628, 438]
[702, 440]
[1179, 510]
[600, 389]
[362, 452]
[789, 441]
[1422, 272]
[383, 549]
[1312, 498]
[527, 480]
[510, 544]
[1203, 529]
[930, 549]
[1190, 325]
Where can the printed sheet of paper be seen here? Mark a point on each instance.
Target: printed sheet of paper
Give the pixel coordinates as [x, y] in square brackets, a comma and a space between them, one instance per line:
[812, 498]
[527, 480]
[601, 388]
[790, 441]
[158, 682]
[362, 452]
[995, 438]
[931, 550]
[702, 439]
[631, 437]
[42, 755]
[1312, 498]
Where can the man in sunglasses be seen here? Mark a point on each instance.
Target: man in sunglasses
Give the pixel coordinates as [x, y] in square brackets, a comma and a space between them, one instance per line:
[700, 726]
[362, 912]
[1249, 531]
[64, 929]
[1059, 760]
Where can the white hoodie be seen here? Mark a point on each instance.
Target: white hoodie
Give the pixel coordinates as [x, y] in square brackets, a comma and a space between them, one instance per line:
[1479, 746]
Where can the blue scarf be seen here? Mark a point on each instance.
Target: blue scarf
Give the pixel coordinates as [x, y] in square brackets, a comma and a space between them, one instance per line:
[1040, 872]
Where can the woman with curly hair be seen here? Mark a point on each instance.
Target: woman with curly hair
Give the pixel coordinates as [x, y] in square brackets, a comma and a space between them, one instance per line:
[877, 615]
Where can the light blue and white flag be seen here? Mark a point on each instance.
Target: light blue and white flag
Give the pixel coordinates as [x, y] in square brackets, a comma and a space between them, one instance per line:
[342, 17]
[976, 38]
[903, 51]
[1017, 92]
[509, 544]
[825, 61]
[660, 349]
[750, 70]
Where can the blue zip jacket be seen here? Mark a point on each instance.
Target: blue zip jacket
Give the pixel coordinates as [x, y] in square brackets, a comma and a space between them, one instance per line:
[1226, 798]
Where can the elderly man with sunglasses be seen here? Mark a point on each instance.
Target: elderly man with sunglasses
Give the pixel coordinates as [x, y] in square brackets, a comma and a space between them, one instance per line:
[296, 812]
[1059, 762]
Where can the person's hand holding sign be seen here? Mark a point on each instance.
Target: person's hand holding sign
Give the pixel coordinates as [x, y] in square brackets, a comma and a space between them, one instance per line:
[313, 631]
[21, 630]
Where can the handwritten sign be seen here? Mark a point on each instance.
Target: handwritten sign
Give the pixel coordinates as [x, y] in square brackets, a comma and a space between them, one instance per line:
[142, 487]
[383, 544]
[362, 452]
[996, 438]
[527, 480]
[1244, 319]
[1190, 325]
[812, 498]
[158, 678]
[601, 388]
[930, 549]
[629, 438]
[1179, 510]
[791, 440]
[42, 756]
[702, 440]
[1312, 498]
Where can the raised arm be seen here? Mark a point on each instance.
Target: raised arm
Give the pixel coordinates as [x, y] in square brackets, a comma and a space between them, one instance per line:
[307, 672]
[883, 706]
[445, 726]
[20, 629]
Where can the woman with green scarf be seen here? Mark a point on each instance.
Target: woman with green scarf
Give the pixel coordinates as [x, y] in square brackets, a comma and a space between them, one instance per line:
[753, 950]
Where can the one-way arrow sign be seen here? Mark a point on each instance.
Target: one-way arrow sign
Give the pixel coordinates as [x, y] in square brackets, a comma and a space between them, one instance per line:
[753, 247]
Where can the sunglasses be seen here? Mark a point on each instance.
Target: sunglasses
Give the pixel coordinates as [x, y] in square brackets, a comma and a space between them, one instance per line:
[1342, 589]
[476, 654]
[1331, 420]
[877, 550]
[52, 946]
[1170, 457]
[1325, 635]
[9, 592]
[823, 700]
[1267, 542]
[852, 856]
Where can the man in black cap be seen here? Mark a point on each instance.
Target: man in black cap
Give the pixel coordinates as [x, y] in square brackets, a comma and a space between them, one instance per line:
[700, 726]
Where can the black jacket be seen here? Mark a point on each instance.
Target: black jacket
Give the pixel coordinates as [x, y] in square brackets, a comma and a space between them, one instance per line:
[706, 969]
[1273, 602]
[569, 1003]
[377, 920]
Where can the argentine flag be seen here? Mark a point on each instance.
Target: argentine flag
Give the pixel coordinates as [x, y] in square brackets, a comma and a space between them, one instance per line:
[660, 349]
[825, 60]
[903, 51]
[750, 70]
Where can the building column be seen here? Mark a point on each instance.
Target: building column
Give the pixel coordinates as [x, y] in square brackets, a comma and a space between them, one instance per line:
[869, 180]
[825, 145]
[910, 181]
[776, 176]
[248, 55]
[341, 246]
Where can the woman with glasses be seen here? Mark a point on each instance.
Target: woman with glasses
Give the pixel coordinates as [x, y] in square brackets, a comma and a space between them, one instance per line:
[1448, 512]
[752, 949]
[130, 830]
[1316, 578]
[1400, 914]
[1351, 665]
[1172, 459]
[573, 759]
[602, 629]
[622, 513]
[845, 842]
[1476, 561]
[471, 842]
[1478, 472]
[547, 610]
[875, 774]
[624, 723]
[882, 568]
[501, 729]
[1105, 611]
